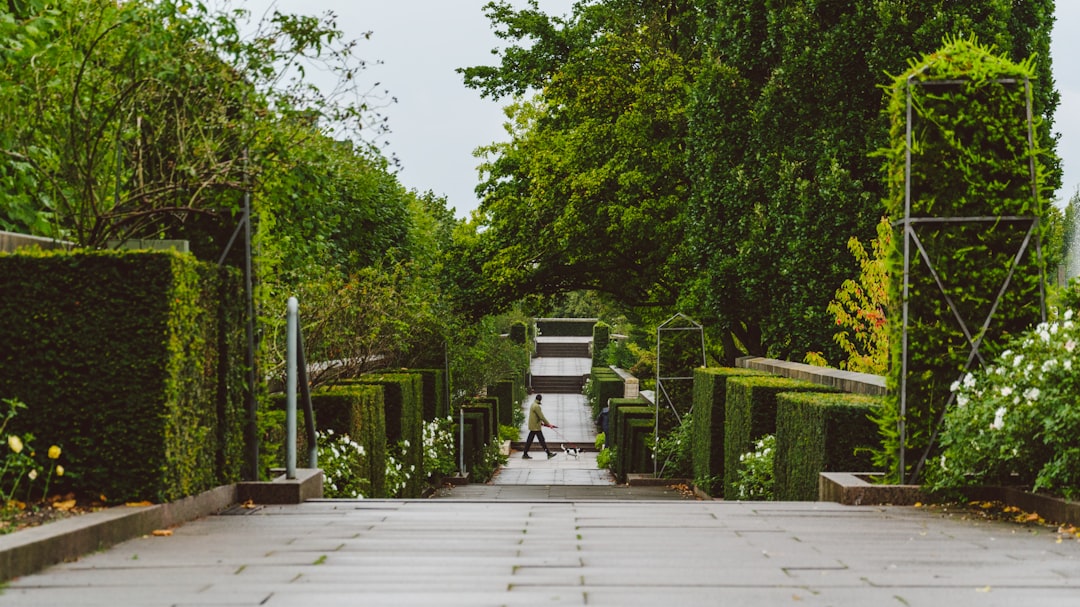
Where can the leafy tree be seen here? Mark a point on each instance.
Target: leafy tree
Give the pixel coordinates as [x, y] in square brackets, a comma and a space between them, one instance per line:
[587, 192]
[784, 119]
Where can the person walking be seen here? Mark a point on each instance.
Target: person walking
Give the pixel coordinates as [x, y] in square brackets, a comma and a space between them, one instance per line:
[536, 421]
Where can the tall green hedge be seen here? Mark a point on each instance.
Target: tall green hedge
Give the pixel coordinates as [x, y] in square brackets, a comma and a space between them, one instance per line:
[402, 401]
[710, 397]
[433, 392]
[818, 433]
[969, 158]
[622, 413]
[601, 337]
[564, 327]
[131, 362]
[488, 408]
[750, 412]
[506, 394]
[605, 384]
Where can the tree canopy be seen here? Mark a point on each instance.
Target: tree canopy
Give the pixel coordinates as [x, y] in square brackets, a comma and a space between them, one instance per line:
[713, 156]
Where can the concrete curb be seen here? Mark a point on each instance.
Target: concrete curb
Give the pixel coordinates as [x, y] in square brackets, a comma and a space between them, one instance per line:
[31, 550]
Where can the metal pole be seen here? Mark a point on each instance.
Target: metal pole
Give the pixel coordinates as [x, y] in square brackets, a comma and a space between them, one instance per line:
[461, 440]
[901, 426]
[290, 389]
[251, 433]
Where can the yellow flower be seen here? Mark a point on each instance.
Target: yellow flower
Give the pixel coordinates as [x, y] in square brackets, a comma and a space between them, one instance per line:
[15, 443]
[59, 471]
[54, 452]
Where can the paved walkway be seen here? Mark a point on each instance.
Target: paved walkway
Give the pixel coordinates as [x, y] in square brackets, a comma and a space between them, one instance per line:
[562, 534]
[647, 553]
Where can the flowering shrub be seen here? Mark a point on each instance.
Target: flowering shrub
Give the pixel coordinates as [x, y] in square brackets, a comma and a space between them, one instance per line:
[1016, 420]
[439, 447]
[341, 460]
[20, 463]
[398, 474]
[756, 478]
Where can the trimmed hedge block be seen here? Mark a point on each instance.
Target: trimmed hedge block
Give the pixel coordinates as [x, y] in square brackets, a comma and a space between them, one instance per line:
[601, 337]
[750, 412]
[432, 392]
[404, 421]
[710, 397]
[606, 384]
[622, 417]
[487, 408]
[503, 392]
[818, 433]
[131, 362]
[357, 411]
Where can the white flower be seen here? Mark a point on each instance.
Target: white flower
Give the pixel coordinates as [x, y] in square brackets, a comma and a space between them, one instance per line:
[1006, 390]
[999, 419]
[1032, 393]
[1070, 345]
[33, 475]
[1019, 358]
[969, 381]
[955, 387]
[1068, 314]
[961, 400]
[1049, 364]
[1067, 365]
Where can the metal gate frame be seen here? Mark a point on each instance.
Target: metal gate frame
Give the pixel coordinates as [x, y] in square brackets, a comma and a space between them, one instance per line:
[661, 391]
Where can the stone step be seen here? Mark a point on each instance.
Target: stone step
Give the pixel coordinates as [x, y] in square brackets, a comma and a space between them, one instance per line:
[562, 350]
[558, 384]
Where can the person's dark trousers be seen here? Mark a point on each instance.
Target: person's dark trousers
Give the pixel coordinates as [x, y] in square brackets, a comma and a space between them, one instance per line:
[538, 435]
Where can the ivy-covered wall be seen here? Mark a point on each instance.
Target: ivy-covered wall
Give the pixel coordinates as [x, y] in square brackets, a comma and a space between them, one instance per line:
[131, 362]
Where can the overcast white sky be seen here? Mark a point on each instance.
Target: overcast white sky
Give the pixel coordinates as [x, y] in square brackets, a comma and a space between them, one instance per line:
[437, 123]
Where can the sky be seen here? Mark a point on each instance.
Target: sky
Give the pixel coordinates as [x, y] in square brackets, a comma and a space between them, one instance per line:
[437, 123]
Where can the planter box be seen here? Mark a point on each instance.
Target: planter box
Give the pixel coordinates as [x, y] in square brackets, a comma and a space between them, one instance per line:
[855, 489]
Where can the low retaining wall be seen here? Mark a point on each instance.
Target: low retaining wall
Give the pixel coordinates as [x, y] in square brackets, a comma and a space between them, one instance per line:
[845, 381]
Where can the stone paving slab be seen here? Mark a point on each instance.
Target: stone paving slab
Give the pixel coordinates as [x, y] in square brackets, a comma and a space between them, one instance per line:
[627, 553]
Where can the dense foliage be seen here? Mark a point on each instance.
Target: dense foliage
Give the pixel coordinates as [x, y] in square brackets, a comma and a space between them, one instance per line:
[714, 156]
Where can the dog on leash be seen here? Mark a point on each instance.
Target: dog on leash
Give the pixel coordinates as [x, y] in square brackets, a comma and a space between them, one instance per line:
[571, 451]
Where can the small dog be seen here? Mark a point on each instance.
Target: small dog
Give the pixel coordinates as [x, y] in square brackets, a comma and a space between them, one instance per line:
[571, 451]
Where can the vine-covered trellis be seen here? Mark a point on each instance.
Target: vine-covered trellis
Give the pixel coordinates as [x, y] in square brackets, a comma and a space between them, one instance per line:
[968, 271]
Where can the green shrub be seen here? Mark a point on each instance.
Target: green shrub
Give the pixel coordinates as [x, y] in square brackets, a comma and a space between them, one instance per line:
[710, 394]
[818, 433]
[674, 450]
[750, 412]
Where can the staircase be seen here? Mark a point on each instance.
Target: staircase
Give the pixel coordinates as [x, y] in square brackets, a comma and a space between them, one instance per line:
[558, 384]
[563, 350]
